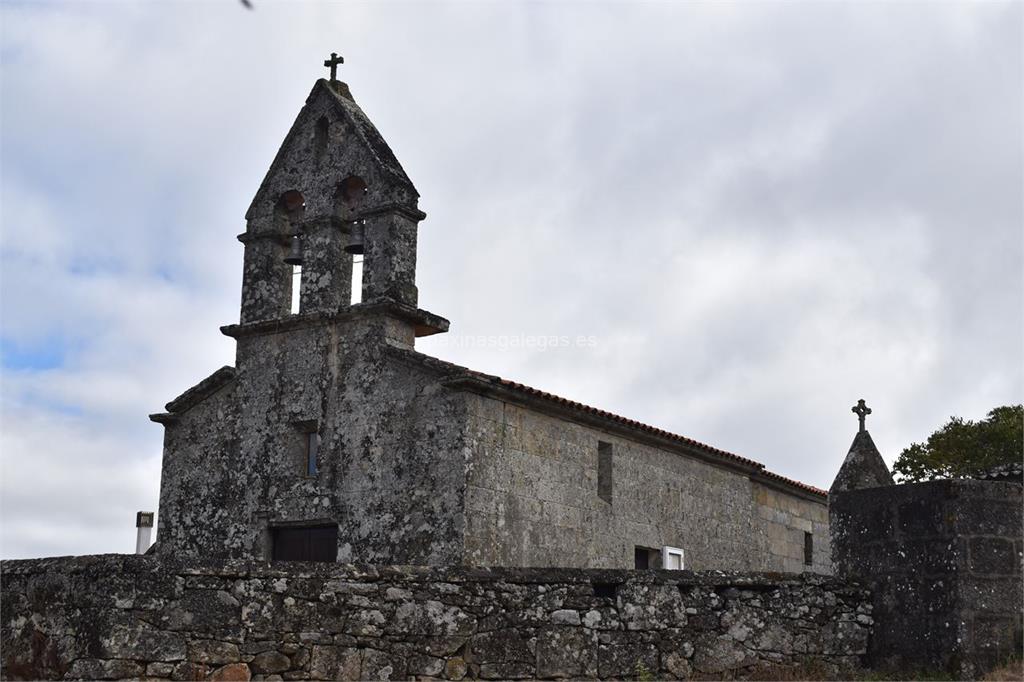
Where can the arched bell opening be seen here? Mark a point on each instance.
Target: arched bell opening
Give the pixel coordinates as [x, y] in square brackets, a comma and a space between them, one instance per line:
[349, 200]
[349, 197]
[291, 206]
[288, 214]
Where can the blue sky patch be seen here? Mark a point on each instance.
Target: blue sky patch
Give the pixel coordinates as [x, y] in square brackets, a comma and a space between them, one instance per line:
[48, 353]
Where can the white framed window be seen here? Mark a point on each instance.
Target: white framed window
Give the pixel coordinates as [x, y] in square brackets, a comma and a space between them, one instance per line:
[672, 558]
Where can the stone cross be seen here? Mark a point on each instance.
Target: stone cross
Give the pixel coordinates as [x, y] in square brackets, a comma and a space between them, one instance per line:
[862, 411]
[332, 63]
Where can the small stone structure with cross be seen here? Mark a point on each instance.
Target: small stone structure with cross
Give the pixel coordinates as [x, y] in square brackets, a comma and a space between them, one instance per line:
[863, 466]
[942, 559]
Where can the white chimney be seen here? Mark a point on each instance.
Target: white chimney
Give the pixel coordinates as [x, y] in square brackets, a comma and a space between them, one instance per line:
[144, 527]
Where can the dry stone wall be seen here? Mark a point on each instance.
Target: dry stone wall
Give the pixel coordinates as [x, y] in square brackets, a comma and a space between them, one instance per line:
[118, 617]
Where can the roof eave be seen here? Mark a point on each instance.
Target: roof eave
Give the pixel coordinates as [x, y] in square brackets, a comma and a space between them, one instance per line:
[604, 421]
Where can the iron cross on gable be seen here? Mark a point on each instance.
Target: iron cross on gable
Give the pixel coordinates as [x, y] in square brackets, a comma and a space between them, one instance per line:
[332, 63]
[862, 411]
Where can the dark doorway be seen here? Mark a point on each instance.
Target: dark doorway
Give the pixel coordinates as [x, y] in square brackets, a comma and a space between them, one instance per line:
[305, 543]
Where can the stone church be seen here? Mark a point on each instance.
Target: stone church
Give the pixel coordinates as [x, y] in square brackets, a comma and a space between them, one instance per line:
[333, 439]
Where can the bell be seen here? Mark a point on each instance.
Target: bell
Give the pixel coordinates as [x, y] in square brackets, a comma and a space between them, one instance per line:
[294, 256]
[356, 238]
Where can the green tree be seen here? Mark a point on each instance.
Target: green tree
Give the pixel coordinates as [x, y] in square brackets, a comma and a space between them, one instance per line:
[962, 449]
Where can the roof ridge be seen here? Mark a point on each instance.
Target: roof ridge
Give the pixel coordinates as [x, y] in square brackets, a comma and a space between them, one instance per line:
[491, 378]
[370, 135]
[365, 130]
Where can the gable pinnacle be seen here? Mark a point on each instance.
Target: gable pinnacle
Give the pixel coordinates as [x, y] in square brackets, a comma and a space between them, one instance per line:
[332, 64]
[862, 411]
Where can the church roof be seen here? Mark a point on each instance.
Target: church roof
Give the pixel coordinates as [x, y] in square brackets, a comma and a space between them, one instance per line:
[626, 421]
[529, 390]
[466, 377]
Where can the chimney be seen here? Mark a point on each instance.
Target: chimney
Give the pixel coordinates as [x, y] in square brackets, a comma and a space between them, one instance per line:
[144, 527]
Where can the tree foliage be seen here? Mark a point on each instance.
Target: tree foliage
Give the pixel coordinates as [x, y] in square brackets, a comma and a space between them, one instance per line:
[962, 449]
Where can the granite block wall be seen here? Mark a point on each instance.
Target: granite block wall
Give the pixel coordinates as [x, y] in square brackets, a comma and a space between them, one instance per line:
[533, 498]
[390, 465]
[783, 521]
[944, 561]
[121, 617]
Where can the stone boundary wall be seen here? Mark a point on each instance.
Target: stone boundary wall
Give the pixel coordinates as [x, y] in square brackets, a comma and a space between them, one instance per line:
[124, 616]
[943, 560]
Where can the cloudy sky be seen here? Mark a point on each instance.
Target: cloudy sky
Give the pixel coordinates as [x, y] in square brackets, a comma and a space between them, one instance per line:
[760, 213]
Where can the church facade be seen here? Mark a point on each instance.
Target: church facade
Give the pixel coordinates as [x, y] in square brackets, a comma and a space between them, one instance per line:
[333, 439]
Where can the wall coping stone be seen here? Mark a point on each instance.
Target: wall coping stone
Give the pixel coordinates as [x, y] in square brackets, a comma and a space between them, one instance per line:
[454, 574]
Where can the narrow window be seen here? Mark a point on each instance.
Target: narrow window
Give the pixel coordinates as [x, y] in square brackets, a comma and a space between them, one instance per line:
[312, 452]
[296, 288]
[604, 471]
[320, 138]
[808, 549]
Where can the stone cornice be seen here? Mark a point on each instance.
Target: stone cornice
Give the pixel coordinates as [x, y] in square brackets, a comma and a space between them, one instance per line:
[194, 395]
[410, 212]
[425, 323]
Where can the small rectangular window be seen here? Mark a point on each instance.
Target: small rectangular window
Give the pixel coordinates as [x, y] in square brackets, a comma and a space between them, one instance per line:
[305, 543]
[808, 549]
[604, 471]
[312, 452]
[646, 557]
